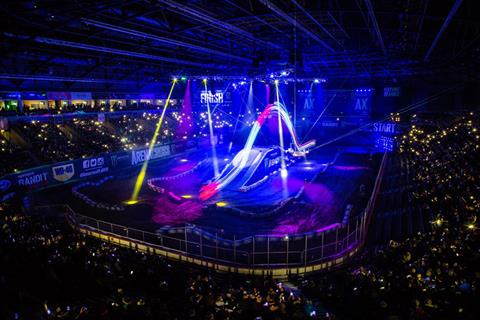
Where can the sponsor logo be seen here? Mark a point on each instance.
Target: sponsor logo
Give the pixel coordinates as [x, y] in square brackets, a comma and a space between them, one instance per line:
[329, 124]
[93, 166]
[157, 152]
[361, 104]
[272, 162]
[120, 160]
[64, 172]
[4, 185]
[32, 179]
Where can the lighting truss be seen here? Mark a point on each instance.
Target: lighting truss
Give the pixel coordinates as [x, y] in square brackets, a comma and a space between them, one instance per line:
[90, 47]
[163, 39]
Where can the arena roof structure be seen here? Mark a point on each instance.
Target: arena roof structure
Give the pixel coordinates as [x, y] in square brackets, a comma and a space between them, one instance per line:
[115, 45]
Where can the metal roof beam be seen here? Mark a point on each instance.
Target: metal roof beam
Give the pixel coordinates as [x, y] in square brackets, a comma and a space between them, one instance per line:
[375, 26]
[295, 23]
[193, 13]
[56, 78]
[140, 34]
[141, 55]
[316, 22]
[445, 24]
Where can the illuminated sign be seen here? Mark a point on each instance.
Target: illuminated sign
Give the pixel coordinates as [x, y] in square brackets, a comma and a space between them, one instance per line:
[385, 143]
[157, 152]
[93, 166]
[32, 179]
[391, 91]
[384, 127]
[209, 97]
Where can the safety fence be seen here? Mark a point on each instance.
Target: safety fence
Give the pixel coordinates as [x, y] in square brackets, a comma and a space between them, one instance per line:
[256, 254]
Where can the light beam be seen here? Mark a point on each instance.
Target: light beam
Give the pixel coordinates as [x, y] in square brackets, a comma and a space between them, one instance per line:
[212, 141]
[141, 175]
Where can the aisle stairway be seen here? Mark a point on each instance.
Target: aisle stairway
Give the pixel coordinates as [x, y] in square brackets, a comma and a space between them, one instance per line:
[396, 215]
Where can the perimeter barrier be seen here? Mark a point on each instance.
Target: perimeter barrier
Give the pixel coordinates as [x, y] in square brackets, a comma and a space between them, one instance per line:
[276, 255]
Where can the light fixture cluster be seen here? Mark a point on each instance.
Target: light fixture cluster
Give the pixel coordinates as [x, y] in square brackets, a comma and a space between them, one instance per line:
[364, 90]
[282, 77]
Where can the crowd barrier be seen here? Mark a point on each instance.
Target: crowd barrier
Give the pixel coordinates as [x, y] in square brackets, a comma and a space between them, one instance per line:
[51, 175]
[256, 254]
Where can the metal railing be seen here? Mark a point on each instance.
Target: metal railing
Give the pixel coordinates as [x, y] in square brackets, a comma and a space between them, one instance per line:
[254, 252]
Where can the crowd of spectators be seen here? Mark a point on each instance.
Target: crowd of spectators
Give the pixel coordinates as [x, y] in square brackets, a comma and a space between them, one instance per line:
[49, 271]
[97, 136]
[83, 107]
[431, 275]
[46, 142]
[138, 131]
[11, 155]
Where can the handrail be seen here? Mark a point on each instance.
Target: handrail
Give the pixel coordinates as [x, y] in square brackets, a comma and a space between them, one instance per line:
[297, 253]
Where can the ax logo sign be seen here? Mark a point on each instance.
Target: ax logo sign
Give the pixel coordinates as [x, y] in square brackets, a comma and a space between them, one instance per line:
[361, 104]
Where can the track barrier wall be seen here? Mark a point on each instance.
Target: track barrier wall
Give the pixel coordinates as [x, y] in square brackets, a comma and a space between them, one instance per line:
[276, 255]
[56, 174]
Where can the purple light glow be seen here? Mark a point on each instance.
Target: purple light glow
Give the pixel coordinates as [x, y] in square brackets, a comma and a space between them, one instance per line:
[293, 184]
[319, 194]
[166, 212]
[186, 125]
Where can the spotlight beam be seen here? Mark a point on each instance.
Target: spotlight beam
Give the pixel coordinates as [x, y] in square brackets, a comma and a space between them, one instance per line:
[280, 131]
[445, 24]
[283, 167]
[141, 175]
[212, 142]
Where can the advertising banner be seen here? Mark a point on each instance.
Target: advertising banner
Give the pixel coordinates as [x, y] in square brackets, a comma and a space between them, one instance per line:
[391, 91]
[158, 152]
[57, 95]
[81, 95]
[5, 185]
[120, 160]
[34, 96]
[92, 166]
[130, 96]
[362, 102]
[12, 96]
[63, 172]
[33, 179]
[147, 96]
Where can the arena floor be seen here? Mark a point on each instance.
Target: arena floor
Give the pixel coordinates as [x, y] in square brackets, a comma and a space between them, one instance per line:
[323, 190]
